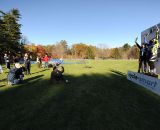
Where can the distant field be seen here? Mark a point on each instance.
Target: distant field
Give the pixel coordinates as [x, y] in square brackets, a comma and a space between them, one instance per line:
[98, 97]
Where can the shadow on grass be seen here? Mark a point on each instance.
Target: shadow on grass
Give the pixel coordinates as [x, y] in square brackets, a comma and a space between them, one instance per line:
[2, 85]
[25, 83]
[88, 67]
[118, 72]
[88, 102]
[3, 80]
[33, 78]
[40, 71]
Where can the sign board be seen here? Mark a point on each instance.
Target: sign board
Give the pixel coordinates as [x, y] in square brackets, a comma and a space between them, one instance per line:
[148, 35]
[150, 83]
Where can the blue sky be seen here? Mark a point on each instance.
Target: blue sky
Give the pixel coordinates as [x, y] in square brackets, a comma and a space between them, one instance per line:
[109, 23]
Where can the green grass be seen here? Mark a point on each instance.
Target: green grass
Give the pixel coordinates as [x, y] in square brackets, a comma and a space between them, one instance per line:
[98, 97]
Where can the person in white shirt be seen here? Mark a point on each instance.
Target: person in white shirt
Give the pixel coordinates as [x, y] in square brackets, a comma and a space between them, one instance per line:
[1, 70]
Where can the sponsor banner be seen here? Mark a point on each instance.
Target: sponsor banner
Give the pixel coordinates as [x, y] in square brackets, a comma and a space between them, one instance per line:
[150, 34]
[151, 83]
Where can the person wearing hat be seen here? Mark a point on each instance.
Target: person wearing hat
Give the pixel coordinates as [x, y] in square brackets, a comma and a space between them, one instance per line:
[15, 74]
[17, 65]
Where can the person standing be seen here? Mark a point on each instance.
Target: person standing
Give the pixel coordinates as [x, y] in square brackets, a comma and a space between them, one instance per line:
[39, 61]
[46, 59]
[1, 69]
[142, 56]
[7, 61]
[27, 63]
[153, 50]
[25, 56]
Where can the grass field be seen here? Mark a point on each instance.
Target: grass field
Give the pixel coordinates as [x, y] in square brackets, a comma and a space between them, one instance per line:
[98, 97]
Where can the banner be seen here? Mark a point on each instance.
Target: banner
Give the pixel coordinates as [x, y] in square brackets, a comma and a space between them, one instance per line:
[150, 34]
[150, 83]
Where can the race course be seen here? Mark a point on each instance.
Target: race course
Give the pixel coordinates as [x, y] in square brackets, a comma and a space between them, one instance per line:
[97, 97]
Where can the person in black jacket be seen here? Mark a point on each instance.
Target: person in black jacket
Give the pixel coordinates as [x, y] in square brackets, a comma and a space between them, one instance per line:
[57, 73]
[15, 74]
[142, 56]
[27, 63]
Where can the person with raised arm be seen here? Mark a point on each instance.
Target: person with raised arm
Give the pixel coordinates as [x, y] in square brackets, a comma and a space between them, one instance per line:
[142, 56]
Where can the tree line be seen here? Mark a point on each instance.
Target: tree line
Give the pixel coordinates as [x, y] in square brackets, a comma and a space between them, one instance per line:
[82, 51]
[14, 43]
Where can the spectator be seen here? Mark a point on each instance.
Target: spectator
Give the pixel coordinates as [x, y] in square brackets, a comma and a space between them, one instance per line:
[25, 56]
[27, 63]
[7, 61]
[46, 59]
[39, 62]
[1, 70]
[15, 75]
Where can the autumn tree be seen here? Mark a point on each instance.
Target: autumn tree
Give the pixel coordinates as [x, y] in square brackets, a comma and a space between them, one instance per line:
[126, 47]
[79, 50]
[90, 54]
[40, 50]
[61, 48]
[134, 52]
[115, 53]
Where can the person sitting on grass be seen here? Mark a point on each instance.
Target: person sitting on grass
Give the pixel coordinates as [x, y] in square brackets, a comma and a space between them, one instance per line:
[57, 73]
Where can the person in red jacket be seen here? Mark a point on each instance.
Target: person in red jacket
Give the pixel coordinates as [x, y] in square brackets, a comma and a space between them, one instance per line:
[46, 59]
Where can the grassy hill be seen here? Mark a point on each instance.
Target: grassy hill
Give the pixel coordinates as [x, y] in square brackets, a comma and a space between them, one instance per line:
[98, 97]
